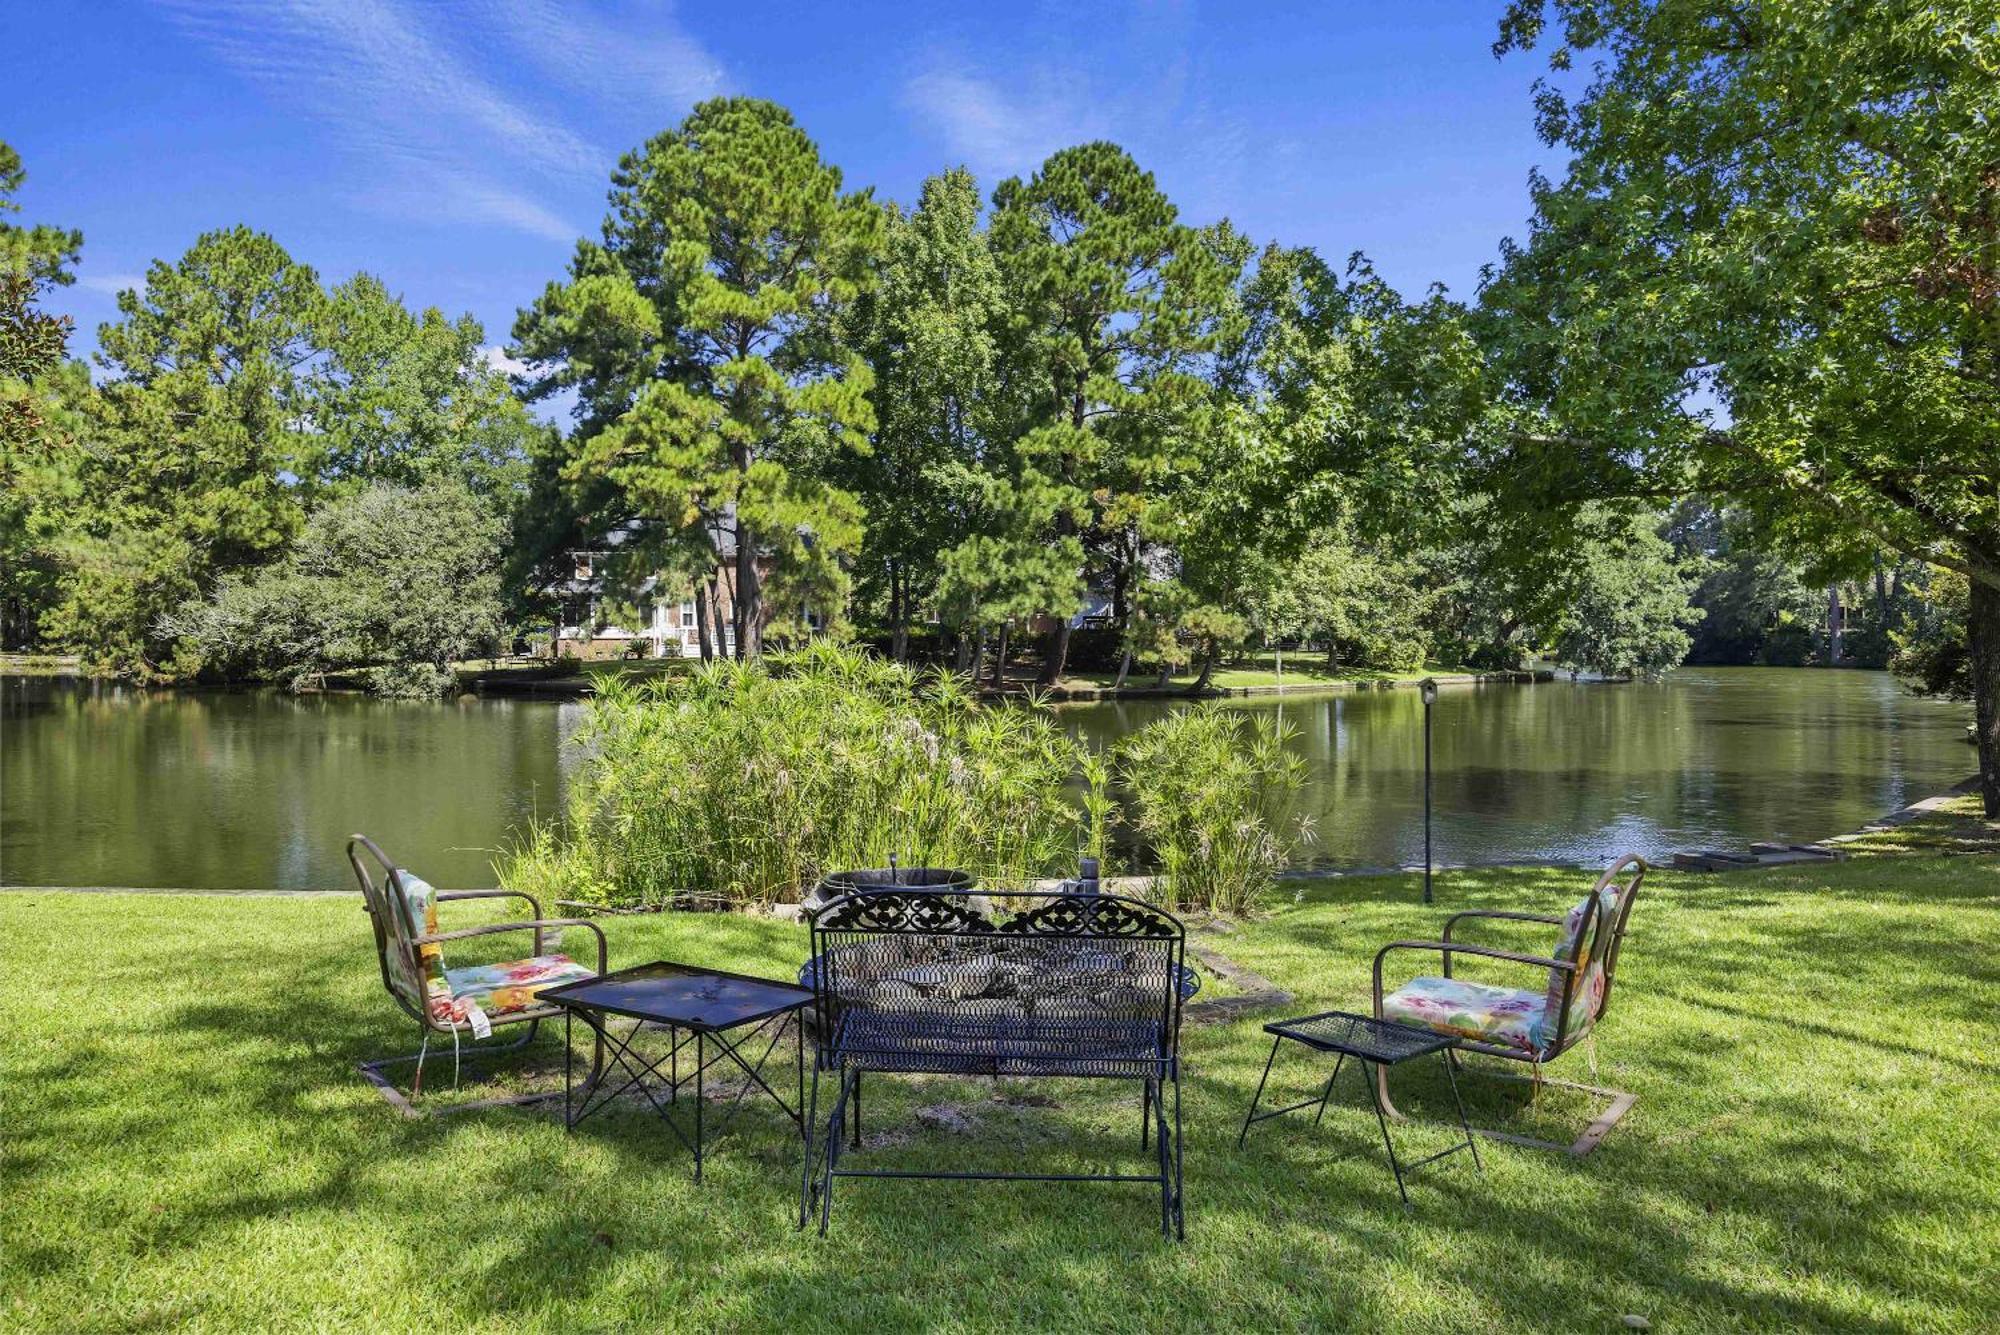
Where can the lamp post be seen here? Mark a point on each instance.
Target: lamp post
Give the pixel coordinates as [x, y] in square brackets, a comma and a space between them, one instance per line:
[1428, 688]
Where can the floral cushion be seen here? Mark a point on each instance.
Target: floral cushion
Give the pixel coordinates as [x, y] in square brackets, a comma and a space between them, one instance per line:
[426, 984]
[1504, 1016]
[1577, 930]
[502, 989]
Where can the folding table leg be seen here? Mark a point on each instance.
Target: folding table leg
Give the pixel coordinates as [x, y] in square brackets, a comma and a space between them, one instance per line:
[1251, 1116]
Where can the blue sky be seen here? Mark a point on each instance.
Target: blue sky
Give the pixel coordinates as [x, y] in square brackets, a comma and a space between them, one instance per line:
[458, 149]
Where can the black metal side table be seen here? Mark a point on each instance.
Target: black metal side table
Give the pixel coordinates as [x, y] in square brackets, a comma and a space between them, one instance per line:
[696, 1006]
[1370, 1042]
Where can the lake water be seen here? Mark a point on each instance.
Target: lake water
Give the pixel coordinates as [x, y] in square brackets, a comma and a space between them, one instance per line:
[105, 785]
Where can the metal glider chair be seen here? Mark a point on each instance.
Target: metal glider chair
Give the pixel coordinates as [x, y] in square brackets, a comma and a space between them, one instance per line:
[1065, 984]
[1523, 1024]
[450, 1002]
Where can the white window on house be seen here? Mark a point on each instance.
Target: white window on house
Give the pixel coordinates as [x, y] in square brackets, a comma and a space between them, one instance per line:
[583, 565]
[687, 613]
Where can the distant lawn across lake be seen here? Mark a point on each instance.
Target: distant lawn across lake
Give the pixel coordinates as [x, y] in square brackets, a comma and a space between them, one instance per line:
[188, 1142]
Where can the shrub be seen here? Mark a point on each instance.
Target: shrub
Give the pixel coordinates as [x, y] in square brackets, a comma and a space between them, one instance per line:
[1209, 792]
[753, 780]
[396, 581]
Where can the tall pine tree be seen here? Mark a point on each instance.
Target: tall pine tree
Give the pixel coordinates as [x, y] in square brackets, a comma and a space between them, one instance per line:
[700, 334]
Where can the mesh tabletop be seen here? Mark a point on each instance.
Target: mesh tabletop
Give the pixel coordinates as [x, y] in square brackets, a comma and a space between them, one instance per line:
[681, 994]
[1359, 1036]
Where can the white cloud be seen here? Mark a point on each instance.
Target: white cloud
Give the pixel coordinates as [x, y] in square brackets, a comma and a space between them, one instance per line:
[496, 357]
[110, 284]
[1154, 105]
[402, 88]
[995, 133]
[646, 59]
[444, 195]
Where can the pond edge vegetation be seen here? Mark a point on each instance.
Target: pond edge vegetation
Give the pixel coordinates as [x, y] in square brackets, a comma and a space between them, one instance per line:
[751, 781]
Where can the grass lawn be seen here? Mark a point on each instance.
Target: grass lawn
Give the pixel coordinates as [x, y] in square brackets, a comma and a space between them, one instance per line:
[1302, 670]
[187, 1142]
[1956, 825]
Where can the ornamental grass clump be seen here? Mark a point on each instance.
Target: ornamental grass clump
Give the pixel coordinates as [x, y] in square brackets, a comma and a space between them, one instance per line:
[1209, 792]
[750, 781]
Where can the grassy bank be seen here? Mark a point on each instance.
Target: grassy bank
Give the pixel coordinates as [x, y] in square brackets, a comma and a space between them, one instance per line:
[188, 1143]
[1954, 824]
[39, 665]
[1254, 672]
[1300, 671]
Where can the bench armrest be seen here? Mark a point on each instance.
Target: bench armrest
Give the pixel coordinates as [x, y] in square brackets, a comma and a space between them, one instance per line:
[1450, 948]
[536, 925]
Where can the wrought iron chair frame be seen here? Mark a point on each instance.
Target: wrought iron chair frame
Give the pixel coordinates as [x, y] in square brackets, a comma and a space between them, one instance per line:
[1065, 914]
[1617, 1102]
[384, 900]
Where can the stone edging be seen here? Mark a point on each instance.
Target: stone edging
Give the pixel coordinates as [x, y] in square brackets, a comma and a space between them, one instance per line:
[1259, 993]
[1904, 815]
[1099, 694]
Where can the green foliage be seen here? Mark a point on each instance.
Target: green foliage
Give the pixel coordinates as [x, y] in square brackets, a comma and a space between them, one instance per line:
[752, 781]
[1628, 611]
[36, 474]
[1756, 607]
[1210, 791]
[1365, 606]
[929, 331]
[407, 397]
[43, 254]
[1118, 306]
[1769, 273]
[239, 395]
[398, 580]
[1932, 652]
[700, 336]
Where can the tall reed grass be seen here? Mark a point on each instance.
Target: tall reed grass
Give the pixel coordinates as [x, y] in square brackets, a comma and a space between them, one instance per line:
[750, 781]
[1209, 792]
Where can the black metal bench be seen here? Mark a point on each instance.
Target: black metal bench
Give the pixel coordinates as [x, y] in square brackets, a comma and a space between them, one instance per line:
[1044, 983]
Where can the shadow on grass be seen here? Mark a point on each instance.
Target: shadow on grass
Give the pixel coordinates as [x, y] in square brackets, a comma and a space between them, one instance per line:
[220, 1129]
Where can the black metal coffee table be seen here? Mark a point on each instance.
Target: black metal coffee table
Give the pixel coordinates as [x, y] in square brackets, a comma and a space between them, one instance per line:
[1370, 1042]
[695, 1005]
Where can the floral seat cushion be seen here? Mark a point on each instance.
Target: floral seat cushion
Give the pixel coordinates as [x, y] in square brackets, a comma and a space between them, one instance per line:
[503, 989]
[1503, 1016]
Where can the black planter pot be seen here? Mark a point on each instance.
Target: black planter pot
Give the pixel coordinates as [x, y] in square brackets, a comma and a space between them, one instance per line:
[837, 883]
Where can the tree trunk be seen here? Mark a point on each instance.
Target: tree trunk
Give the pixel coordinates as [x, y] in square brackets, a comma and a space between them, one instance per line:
[749, 596]
[1166, 677]
[962, 650]
[700, 595]
[1207, 671]
[1982, 626]
[1332, 654]
[899, 613]
[1058, 654]
[978, 654]
[1052, 670]
[1000, 659]
[715, 617]
[1124, 668]
[1833, 625]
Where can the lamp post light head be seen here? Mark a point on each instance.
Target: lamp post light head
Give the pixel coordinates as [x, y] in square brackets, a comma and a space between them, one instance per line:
[1428, 688]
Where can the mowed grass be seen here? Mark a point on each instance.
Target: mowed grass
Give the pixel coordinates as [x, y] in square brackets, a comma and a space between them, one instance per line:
[1301, 670]
[1955, 826]
[187, 1142]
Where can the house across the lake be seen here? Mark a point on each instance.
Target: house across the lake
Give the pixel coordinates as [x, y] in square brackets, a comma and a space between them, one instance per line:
[669, 624]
